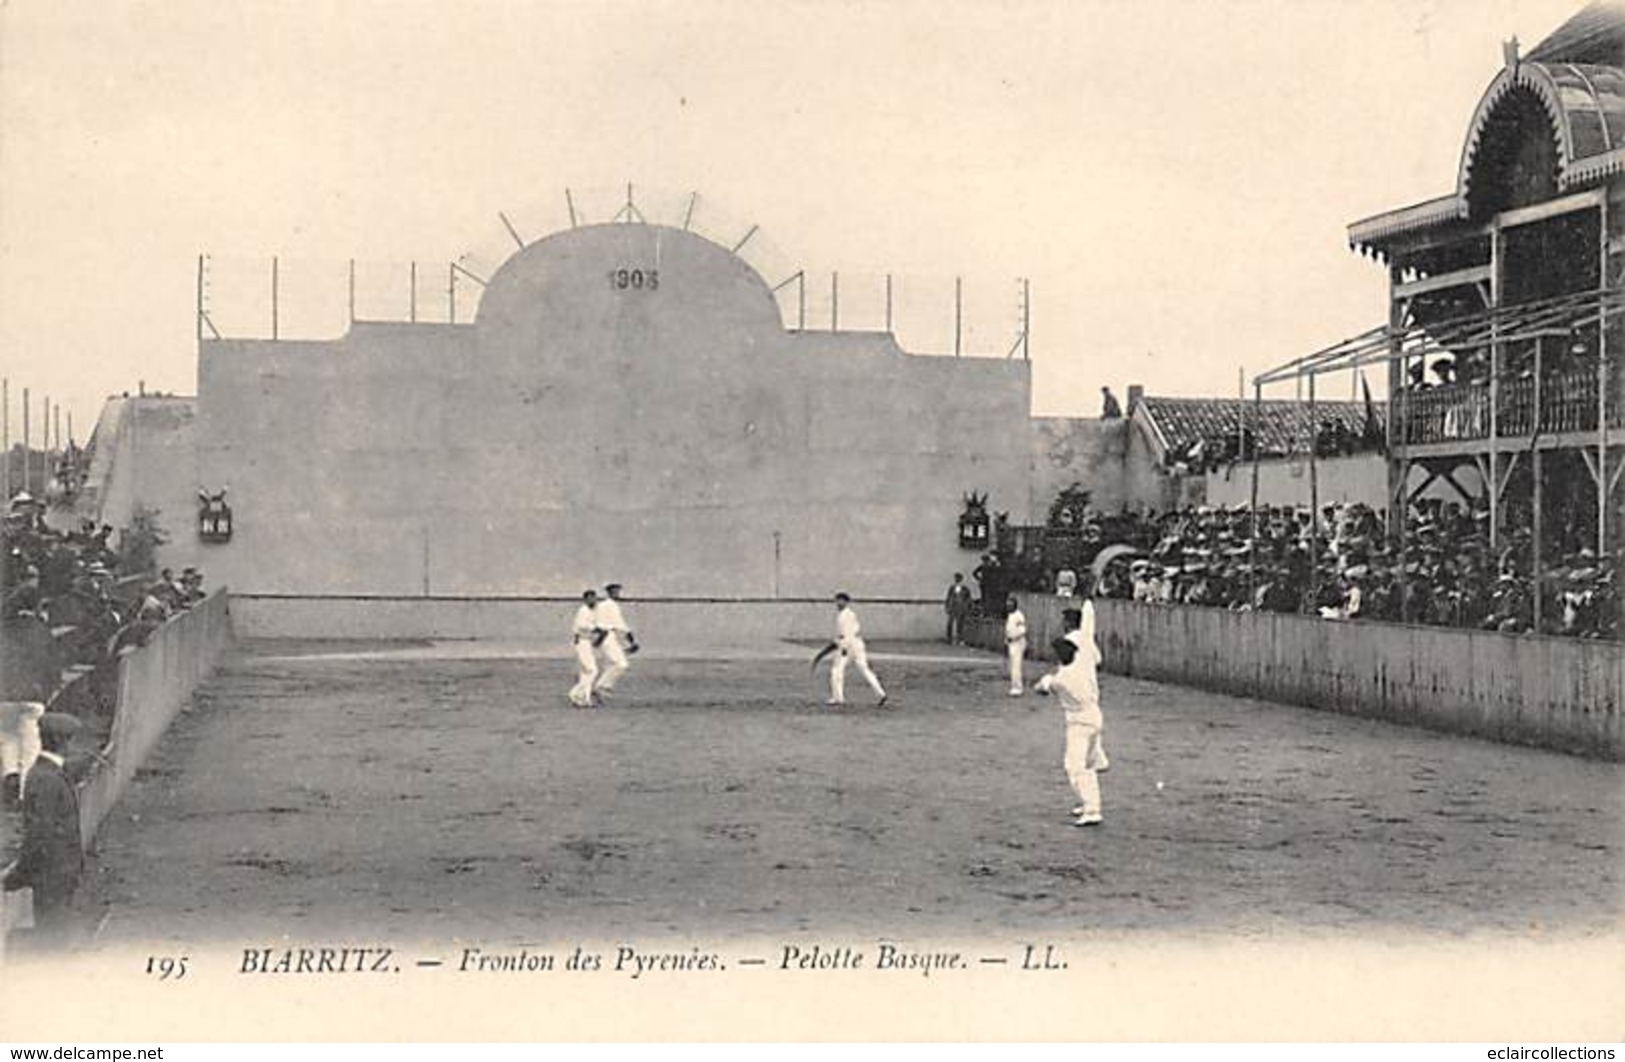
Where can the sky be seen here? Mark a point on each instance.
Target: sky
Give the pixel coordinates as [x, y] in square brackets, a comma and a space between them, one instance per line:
[1174, 179]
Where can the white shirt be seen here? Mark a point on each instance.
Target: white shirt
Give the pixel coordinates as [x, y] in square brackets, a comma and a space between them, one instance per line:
[1084, 636]
[847, 630]
[609, 615]
[584, 622]
[1076, 687]
[1015, 626]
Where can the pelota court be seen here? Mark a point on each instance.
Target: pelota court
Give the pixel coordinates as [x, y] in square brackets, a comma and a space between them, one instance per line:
[437, 790]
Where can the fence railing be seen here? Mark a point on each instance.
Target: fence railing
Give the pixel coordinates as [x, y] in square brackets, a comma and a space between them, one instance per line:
[1457, 412]
[302, 299]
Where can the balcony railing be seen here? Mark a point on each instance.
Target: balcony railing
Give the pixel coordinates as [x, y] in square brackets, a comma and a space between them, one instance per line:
[1461, 412]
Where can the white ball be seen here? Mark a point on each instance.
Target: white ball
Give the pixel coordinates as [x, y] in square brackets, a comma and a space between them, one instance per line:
[1159, 786]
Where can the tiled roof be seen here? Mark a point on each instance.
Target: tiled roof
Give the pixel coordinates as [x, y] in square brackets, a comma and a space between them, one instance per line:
[1596, 34]
[1283, 424]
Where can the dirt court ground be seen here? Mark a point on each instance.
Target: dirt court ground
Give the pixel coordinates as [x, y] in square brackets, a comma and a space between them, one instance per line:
[449, 789]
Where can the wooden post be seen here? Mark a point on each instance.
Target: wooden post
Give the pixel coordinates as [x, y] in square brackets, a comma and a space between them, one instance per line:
[1026, 319]
[274, 323]
[451, 294]
[1602, 382]
[1399, 469]
[1253, 558]
[5, 436]
[1537, 566]
[958, 315]
[26, 426]
[834, 301]
[412, 299]
[888, 303]
[199, 321]
[352, 291]
[1495, 385]
[1314, 494]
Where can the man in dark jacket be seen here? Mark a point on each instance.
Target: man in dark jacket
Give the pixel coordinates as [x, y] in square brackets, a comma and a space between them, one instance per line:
[51, 861]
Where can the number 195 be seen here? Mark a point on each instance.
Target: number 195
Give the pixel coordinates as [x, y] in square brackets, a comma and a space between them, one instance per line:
[166, 967]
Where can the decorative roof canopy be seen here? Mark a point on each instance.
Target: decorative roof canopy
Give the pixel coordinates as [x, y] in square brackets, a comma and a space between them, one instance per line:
[1547, 125]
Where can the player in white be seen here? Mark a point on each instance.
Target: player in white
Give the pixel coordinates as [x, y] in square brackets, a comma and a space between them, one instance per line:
[1078, 625]
[1075, 685]
[849, 649]
[585, 634]
[1015, 643]
[618, 640]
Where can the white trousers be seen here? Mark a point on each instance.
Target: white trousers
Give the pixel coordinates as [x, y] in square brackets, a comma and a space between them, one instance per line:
[1085, 758]
[586, 673]
[617, 664]
[19, 735]
[1017, 650]
[854, 654]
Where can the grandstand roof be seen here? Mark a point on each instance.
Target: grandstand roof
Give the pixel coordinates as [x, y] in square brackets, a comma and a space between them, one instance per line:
[1596, 34]
[1175, 424]
[1578, 76]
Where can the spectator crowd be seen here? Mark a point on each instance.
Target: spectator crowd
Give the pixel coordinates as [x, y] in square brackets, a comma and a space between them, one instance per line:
[1442, 571]
[71, 599]
[95, 597]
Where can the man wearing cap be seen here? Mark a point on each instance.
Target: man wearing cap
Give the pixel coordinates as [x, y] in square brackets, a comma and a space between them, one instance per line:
[51, 860]
[610, 620]
[585, 637]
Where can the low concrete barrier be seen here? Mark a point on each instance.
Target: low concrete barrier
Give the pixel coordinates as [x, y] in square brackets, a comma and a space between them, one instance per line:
[1557, 693]
[154, 684]
[658, 622]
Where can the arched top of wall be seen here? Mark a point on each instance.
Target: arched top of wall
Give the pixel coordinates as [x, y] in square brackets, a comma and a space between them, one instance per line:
[636, 286]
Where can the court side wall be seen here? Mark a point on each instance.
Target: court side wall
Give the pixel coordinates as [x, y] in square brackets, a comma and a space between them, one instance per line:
[156, 682]
[1556, 693]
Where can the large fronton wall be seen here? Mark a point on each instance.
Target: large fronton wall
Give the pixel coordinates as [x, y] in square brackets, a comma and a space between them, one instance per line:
[671, 436]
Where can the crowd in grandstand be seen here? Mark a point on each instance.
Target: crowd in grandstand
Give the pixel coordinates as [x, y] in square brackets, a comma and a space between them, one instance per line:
[1442, 571]
[78, 585]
